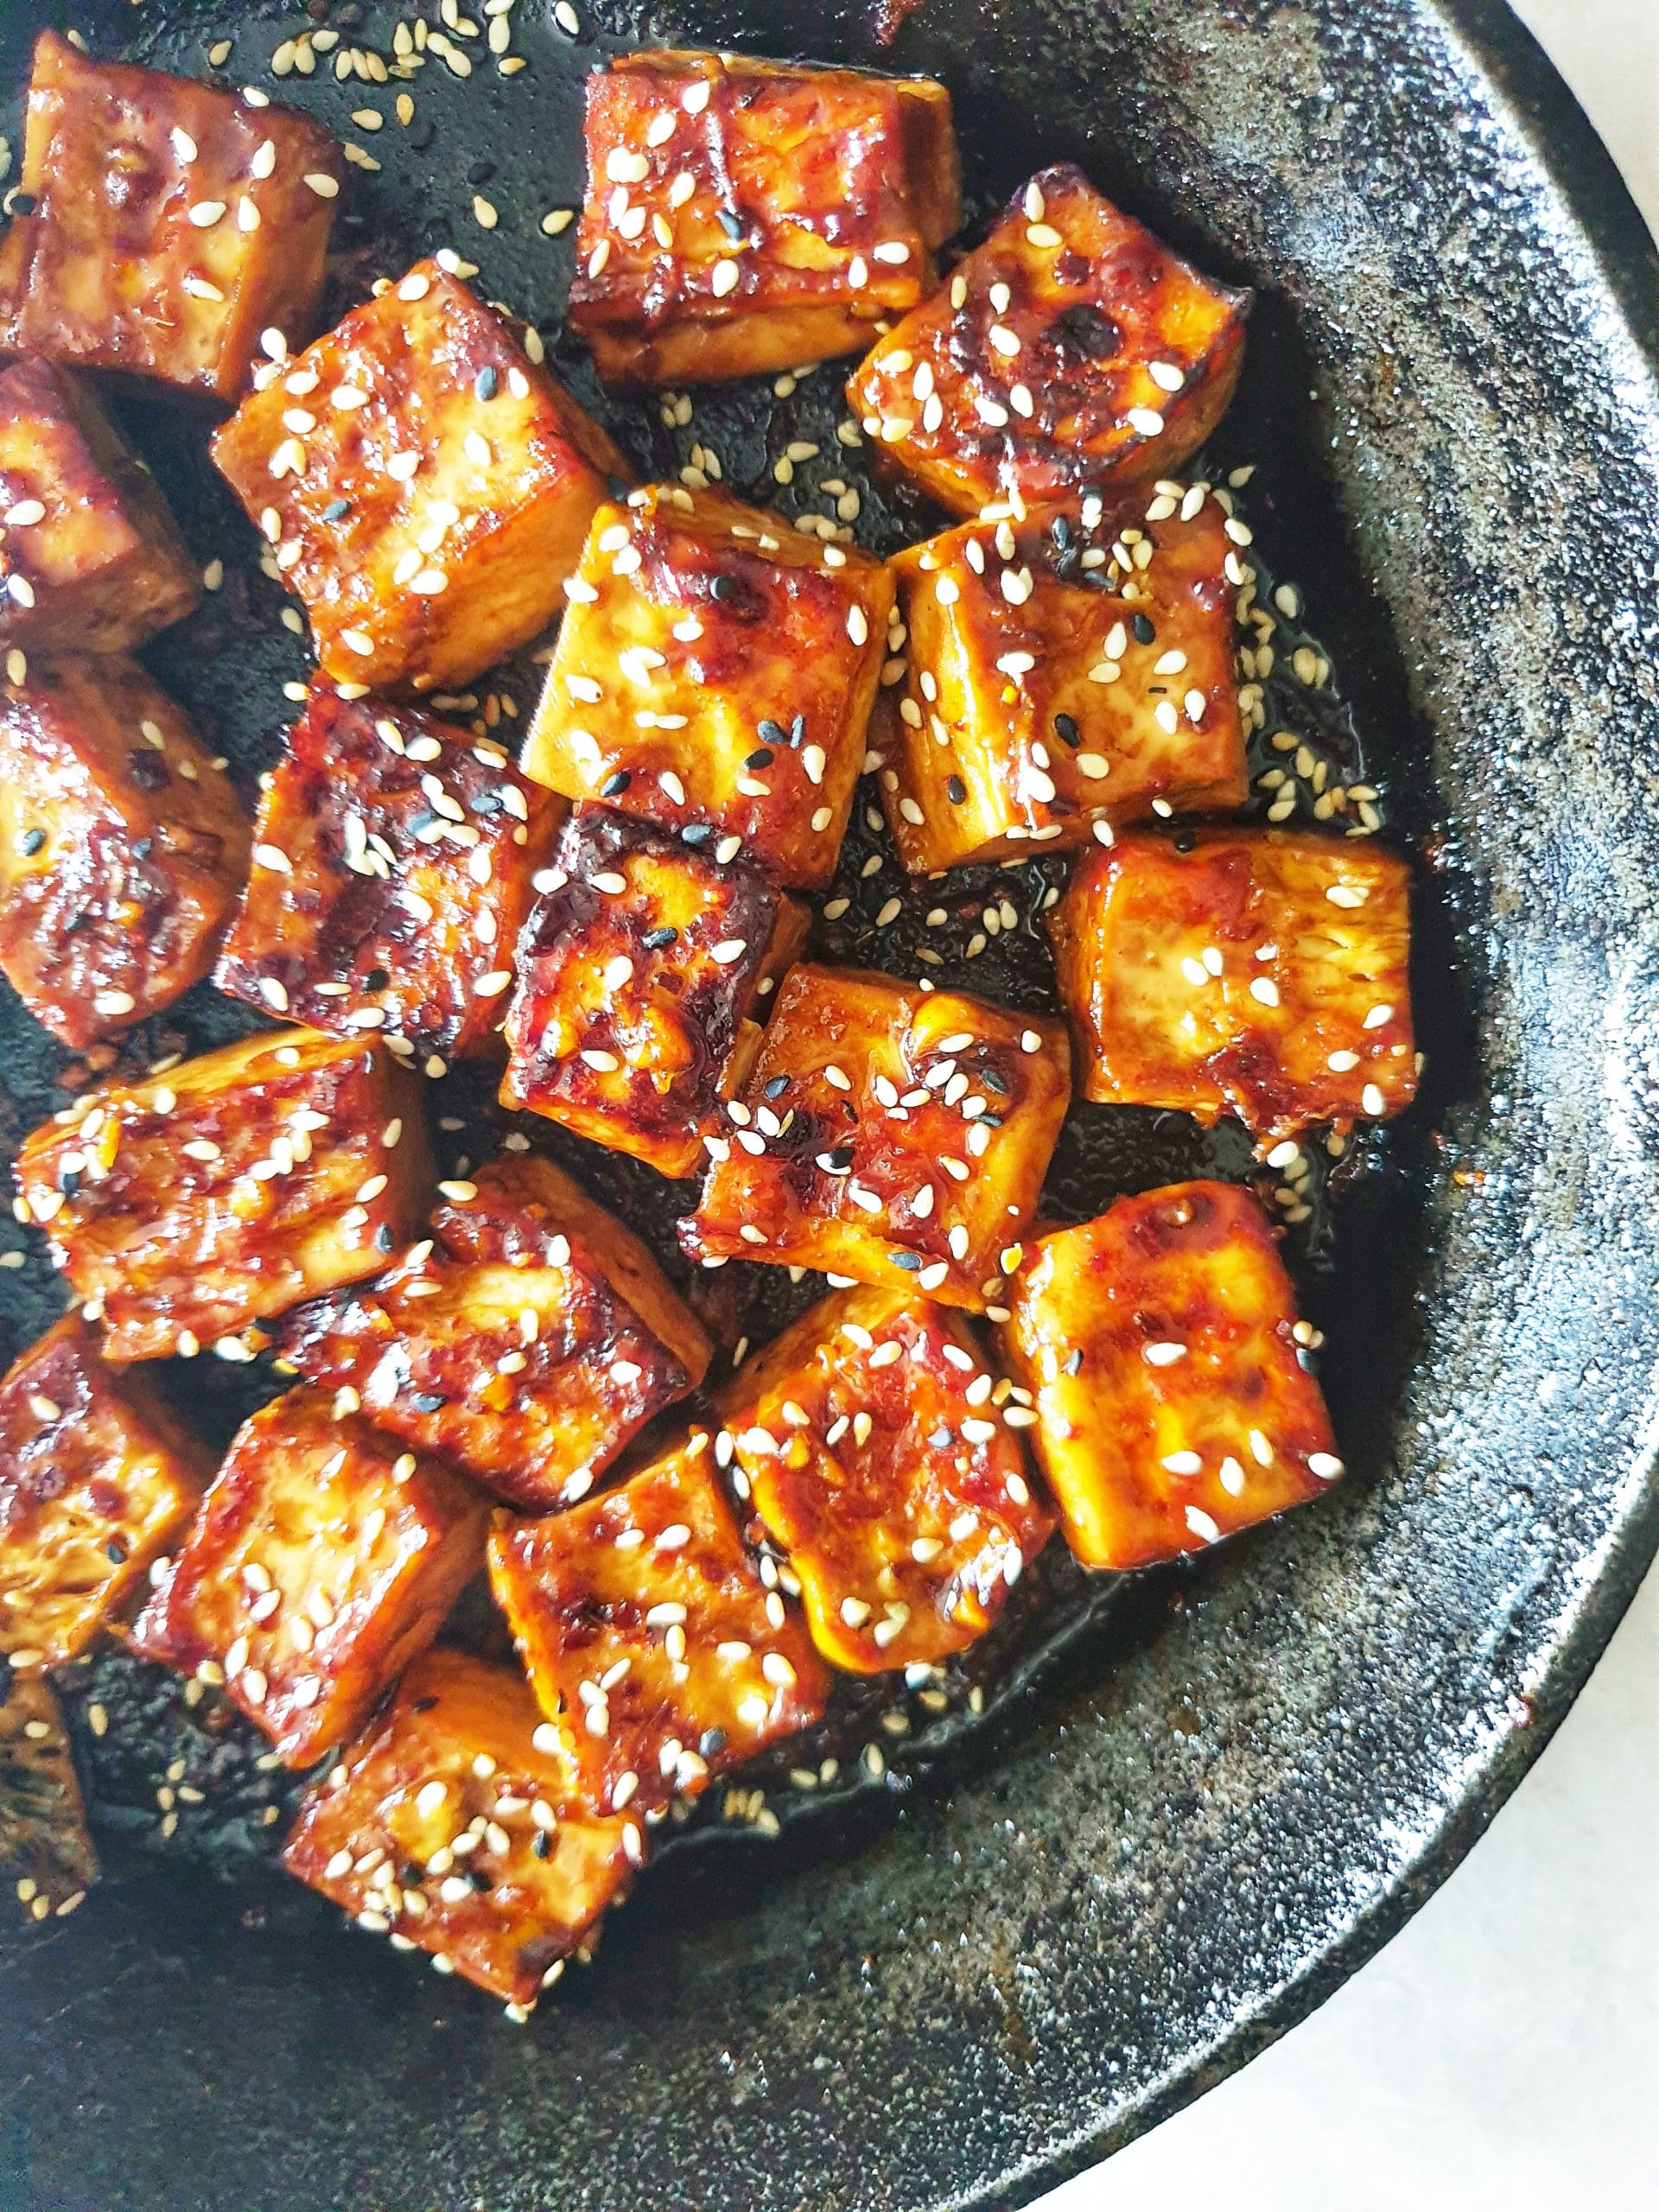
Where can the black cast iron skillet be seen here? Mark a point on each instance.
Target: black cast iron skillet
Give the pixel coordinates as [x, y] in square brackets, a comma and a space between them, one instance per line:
[1196, 1802]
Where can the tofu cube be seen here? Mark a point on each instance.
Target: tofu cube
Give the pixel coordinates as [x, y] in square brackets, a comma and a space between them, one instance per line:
[889, 1134]
[744, 216]
[1072, 350]
[1264, 973]
[91, 558]
[323, 1559]
[882, 1456]
[45, 1847]
[715, 674]
[171, 226]
[640, 974]
[123, 848]
[185, 1207]
[97, 1477]
[1043, 694]
[649, 1638]
[1159, 1346]
[425, 482]
[391, 866]
[453, 1824]
[527, 1345]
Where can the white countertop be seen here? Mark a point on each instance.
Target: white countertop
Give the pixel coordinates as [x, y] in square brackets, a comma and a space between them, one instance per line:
[1502, 2051]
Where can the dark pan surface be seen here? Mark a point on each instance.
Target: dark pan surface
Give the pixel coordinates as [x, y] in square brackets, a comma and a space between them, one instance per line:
[1222, 1791]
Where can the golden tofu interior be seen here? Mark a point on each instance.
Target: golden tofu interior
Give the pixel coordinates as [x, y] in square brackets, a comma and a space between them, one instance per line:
[745, 215]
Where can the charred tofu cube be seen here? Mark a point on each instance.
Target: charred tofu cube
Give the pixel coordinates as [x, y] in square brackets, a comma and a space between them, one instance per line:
[1257, 973]
[528, 1344]
[91, 559]
[391, 866]
[1043, 696]
[97, 1478]
[188, 1206]
[876, 1444]
[649, 1638]
[639, 974]
[425, 482]
[1071, 350]
[123, 849]
[715, 673]
[1160, 1348]
[453, 1824]
[171, 225]
[744, 216]
[323, 1559]
[887, 1135]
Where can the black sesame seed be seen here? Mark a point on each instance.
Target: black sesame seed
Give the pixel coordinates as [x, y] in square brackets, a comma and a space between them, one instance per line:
[723, 587]
[336, 510]
[30, 842]
[762, 757]
[955, 790]
[480, 1880]
[992, 1121]
[485, 385]
[429, 1402]
[910, 1261]
[618, 486]
[424, 1705]
[542, 1844]
[1184, 841]
[775, 1085]
[23, 203]
[376, 979]
[1144, 633]
[730, 221]
[143, 848]
[412, 1874]
[1074, 1360]
[993, 1079]
[382, 1237]
[613, 785]
[712, 1743]
[421, 133]
[842, 1157]
[69, 1182]
[654, 940]
[696, 833]
[1060, 531]
[116, 1553]
[1067, 731]
[770, 733]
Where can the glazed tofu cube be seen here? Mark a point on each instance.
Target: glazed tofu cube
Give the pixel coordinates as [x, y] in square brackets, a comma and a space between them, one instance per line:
[744, 216]
[1043, 696]
[453, 1825]
[171, 226]
[425, 482]
[391, 866]
[218, 1193]
[889, 1134]
[715, 673]
[639, 976]
[1071, 351]
[649, 1638]
[1258, 973]
[323, 1559]
[123, 848]
[91, 558]
[1160, 1348]
[528, 1344]
[877, 1447]
[97, 1478]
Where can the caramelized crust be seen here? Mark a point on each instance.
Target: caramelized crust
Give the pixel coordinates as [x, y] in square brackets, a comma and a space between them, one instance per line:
[1055, 681]
[529, 1346]
[639, 974]
[715, 673]
[321, 1560]
[896, 1136]
[1071, 350]
[172, 225]
[744, 216]
[1258, 973]
[453, 1824]
[223, 1191]
[121, 847]
[96, 1479]
[91, 559]
[873, 1441]
[426, 482]
[391, 867]
[1159, 1346]
[649, 1638]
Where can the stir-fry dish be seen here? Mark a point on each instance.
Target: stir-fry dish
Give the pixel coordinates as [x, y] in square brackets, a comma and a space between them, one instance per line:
[486, 1382]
